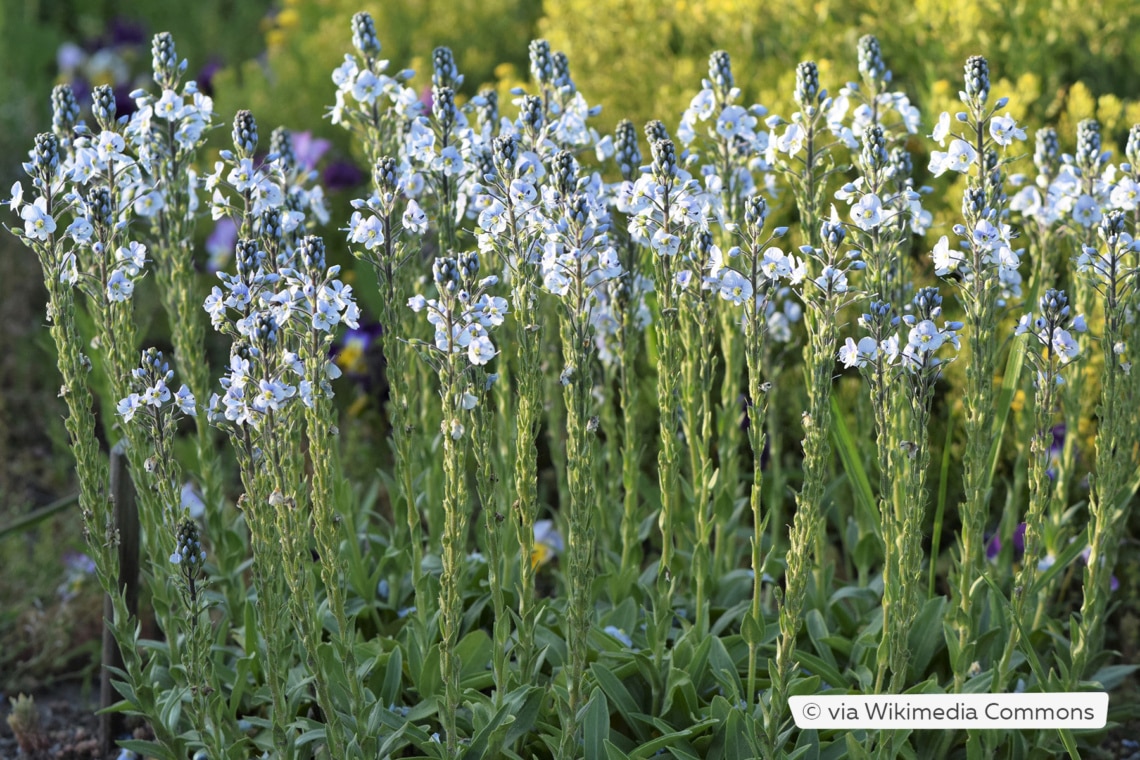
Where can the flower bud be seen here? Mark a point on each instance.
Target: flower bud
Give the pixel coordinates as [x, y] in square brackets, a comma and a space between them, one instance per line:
[565, 171]
[164, 60]
[870, 55]
[1132, 149]
[664, 161]
[269, 224]
[541, 64]
[45, 154]
[755, 214]
[626, 150]
[469, 266]
[488, 112]
[444, 71]
[281, 145]
[655, 130]
[1088, 146]
[311, 252]
[443, 106]
[364, 35]
[100, 209]
[561, 77]
[386, 174]
[64, 110]
[506, 152]
[927, 303]
[977, 80]
[531, 114]
[900, 165]
[248, 258]
[103, 105]
[1045, 152]
[720, 71]
[874, 153]
[807, 84]
[445, 273]
[244, 134]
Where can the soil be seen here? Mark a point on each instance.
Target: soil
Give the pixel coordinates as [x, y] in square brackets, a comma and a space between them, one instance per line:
[68, 727]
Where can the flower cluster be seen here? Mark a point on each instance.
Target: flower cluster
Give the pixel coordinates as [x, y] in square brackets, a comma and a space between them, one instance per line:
[464, 312]
[885, 343]
[1052, 330]
[150, 393]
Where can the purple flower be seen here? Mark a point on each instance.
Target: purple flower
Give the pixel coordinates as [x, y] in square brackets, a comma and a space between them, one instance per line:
[220, 244]
[993, 547]
[206, 75]
[1055, 450]
[1019, 540]
[125, 31]
[341, 175]
[308, 149]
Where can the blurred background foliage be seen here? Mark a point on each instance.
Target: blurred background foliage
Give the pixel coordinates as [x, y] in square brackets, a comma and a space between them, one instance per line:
[1058, 60]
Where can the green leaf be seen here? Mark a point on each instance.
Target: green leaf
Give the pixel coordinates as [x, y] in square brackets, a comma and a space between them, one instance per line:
[924, 640]
[1010, 382]
[822, 668]
[853, 466]
[619, 695]
[596, 725]
[1113, 675]
[1064, 559]
[146, 749]
[525, 702]
[940, 505]
[612, 752]
[478, 747]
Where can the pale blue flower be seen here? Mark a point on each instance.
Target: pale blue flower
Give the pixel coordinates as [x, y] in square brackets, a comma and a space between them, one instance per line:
[119, 287]
[867, 212]
[38, 224]
[414, 218]
[481, 350]
[619, 634]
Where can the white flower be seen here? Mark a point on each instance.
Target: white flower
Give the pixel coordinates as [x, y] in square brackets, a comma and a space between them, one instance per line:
[367, 87]
[449, 162]
[665, 244]
[38, 225]
[735, 287]
[775, 264]
[1004, 130]
[369, 232]
[1126, 195]
[960, 157]
[946, 260]
[1086, 211]
[792, 141]
[80, 230]
[415, 220]
[128, 406]
[925, 336]
[132, 257]
[119, 287]
[941, 129]
[1065, 345]
[867, 212]
[149, 204]
[852, 354]
[185, 400]
[17, 196]
[169, 106]
[480, 350]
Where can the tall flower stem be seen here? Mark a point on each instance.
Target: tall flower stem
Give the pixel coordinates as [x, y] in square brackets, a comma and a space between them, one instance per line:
[1116, 279]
